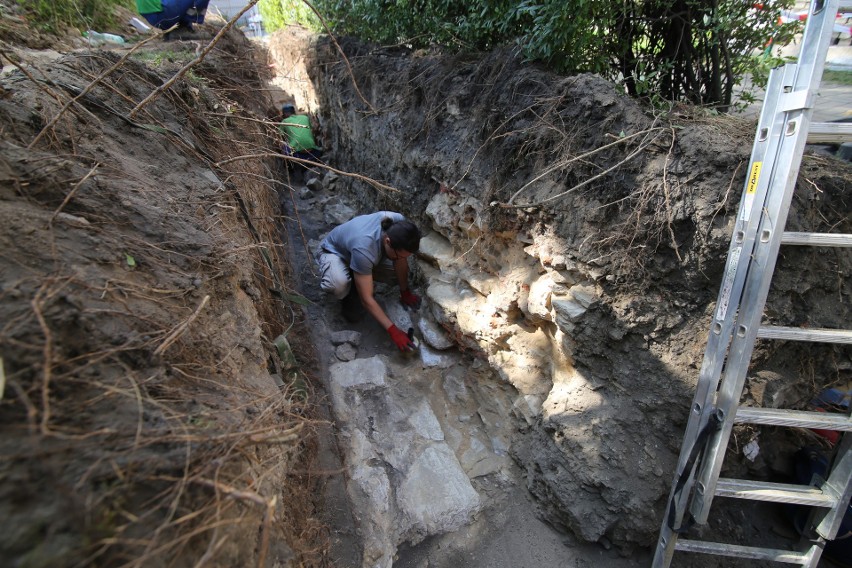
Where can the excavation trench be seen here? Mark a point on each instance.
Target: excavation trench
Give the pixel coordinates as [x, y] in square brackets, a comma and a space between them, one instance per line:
[425, 438]
[573, 246]
[574, 243]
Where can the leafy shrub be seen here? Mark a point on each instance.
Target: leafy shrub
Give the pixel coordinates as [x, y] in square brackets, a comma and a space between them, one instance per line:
[277, 14]
[694, 50]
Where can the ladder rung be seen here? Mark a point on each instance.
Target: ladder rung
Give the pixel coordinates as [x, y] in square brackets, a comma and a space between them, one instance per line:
[817, 239]
[829, 132]
[774, 492]
[805, 334]
[737, 551]
[793, 418]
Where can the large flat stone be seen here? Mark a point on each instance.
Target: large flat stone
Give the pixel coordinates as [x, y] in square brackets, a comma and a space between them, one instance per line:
[436, 495]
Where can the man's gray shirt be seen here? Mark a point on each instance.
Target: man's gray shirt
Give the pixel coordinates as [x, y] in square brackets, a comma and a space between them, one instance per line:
[359, 241]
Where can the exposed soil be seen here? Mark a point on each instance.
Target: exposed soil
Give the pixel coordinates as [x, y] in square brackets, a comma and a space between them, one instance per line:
[142, 290]
[167, 354]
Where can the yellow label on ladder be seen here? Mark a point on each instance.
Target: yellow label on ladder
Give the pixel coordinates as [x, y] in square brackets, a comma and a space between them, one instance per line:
[753, 177]
[750, 190]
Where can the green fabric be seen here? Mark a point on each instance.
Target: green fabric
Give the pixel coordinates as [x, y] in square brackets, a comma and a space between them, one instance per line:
[149, 6]
[297, 131]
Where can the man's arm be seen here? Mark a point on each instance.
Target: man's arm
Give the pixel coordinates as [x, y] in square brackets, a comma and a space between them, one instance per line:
[364, 285]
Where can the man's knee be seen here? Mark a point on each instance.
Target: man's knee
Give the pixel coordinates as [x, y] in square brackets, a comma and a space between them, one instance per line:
[337, 288]
[335, 278]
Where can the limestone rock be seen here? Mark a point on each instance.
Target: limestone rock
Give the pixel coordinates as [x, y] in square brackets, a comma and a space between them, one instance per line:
[425, 423]
[437, 250]
[346, 352]
[346, 336]
[435, 495]
[434, 335]
[314, 184]
[396, 312]
[431, 358]
[348, 379]
[528, 406]
[338, 213]
[567, 312]
[538, 304]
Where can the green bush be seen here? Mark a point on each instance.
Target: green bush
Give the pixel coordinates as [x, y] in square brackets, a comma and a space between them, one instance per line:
[277, 14]
[54, 15]
[665, 50]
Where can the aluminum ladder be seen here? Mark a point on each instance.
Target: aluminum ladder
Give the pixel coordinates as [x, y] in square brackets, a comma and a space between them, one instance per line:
[783, 129]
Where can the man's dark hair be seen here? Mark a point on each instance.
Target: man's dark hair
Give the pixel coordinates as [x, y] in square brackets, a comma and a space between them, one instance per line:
[403, 235]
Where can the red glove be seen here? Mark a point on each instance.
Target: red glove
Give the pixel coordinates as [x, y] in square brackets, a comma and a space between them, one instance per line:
[409, 299]
[400, 339]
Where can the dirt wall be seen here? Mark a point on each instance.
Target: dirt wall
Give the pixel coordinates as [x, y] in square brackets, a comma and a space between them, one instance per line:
[148, 416]
[587, 235]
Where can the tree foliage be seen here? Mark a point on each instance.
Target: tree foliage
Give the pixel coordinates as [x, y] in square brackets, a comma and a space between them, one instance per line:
[54, 15]
[694, 50]
[277, 14]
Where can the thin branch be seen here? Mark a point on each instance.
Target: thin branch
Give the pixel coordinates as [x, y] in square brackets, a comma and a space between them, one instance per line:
[267, 528]
[586, 182]
[32, 411]
[179, 330]
[47, 353]
[374, 183]
[666, 194]
[37, 305]
[71, 194]
[185, 69]
[233, 492]
[284, 437]
[562, 164]
[724, 199]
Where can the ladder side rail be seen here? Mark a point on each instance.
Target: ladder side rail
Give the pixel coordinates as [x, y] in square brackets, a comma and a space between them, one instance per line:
[797, 110]
[742, 345]
[736, 269]
[840, 480]
[719, 337]
[816, 41]
[839, 485]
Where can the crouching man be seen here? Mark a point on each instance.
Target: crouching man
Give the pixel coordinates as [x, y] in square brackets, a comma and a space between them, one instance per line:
[367, 248]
